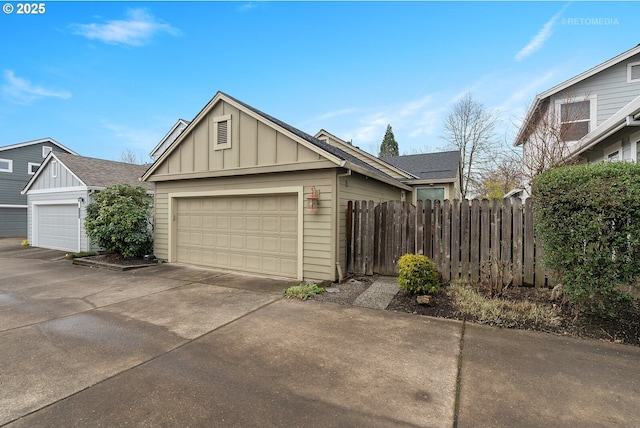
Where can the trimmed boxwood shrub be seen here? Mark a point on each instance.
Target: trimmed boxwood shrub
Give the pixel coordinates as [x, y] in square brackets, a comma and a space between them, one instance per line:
[418, 274]
[588, 217]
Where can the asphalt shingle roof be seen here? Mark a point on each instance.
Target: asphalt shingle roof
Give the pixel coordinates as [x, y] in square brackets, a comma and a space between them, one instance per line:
[341, 154]
[103, 173]
[428, 166]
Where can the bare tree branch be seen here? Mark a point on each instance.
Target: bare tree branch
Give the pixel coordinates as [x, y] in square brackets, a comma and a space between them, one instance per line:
[470, 128]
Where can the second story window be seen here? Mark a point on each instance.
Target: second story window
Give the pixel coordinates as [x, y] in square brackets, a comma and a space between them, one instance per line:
[6, 165]
[576, 116]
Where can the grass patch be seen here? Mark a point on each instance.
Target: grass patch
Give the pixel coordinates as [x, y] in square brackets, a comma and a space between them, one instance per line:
[72, 256]
[496, 311]
[302, 291]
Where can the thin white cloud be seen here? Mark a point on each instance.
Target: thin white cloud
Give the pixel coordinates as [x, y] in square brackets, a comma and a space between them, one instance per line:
[539, 39]
[22, 91]
[132, 137]
[136, 30]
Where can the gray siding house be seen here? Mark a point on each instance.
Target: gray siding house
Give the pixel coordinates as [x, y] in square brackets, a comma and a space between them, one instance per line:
[18, 163]
[596, 113]
[59, 192]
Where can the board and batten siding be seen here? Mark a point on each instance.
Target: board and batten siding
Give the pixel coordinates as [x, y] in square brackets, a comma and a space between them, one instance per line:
[610, 86]
[317, 238]
[63, 179]
[254, 144]
[357, 187]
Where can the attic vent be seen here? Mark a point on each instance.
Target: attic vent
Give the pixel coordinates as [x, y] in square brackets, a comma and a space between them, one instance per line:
[222, 132]
[633, 72]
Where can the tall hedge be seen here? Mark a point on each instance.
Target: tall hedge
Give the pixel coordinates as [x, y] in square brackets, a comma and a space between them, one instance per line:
[119, 219]
[588, 217]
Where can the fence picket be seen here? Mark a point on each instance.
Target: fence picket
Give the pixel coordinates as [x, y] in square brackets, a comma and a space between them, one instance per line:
[470, 240]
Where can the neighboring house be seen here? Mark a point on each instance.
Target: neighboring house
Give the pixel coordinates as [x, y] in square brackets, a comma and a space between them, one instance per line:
[595, 113]
[236, 191]
[431, 175]
[18, 163]
[436, 175]
[171, 136]
[58, 194]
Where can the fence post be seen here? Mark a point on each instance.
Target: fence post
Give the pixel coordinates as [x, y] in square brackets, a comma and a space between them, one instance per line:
[369, 226]
[505, 256]
[529, 243]
[474, 241]
[485, 240]
[349, 227]
[446, 240]
[428, 232]
[437, 236]
[517, 242]
[464, 239]
[455, 239]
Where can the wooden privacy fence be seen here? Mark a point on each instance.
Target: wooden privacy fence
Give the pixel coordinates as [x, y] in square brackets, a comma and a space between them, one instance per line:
[472, 240]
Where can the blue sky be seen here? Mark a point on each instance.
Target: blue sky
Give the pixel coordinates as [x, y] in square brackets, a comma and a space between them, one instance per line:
[106, 77]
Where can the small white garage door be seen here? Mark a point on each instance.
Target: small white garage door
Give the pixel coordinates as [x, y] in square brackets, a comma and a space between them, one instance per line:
[57, 226]
[249, 233]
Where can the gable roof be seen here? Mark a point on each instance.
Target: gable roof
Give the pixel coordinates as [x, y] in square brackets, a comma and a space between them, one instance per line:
[334, 154]
[40, 141]
[568, 83]
[429, 166]
[169, 138]
[96, 173]
[367, 157]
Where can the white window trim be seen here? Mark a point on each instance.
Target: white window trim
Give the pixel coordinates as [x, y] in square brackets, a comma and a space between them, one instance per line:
[46, 150]
[430, 186]
[615, 147]
[54, 169]
[216, 121]
[10, 169]
[30, 165]
[629, 67]
[593, 110]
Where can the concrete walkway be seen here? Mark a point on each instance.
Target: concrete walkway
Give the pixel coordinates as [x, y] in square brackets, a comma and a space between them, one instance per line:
[379, 294]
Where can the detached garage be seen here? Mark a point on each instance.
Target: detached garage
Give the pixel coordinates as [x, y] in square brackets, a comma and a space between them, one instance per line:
[58, 193]
[241, 190]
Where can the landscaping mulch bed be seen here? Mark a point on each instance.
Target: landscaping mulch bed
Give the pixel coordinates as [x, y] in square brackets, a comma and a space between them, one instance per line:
[625, 328]
[118, 259]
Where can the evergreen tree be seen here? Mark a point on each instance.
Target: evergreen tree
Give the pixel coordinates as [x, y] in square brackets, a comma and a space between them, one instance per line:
[389, 145]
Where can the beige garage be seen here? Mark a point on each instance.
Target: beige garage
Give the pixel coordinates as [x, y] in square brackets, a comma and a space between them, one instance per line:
[252, 233]
[241, 190]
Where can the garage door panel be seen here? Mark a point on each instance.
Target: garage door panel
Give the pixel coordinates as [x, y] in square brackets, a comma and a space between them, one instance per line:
[57, 226]
[252, 233]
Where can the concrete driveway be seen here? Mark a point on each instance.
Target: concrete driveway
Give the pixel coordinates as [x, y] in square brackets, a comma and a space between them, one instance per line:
[175, 346]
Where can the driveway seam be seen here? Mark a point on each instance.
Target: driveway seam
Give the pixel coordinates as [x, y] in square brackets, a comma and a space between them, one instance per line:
[187, 342]
[456, 405]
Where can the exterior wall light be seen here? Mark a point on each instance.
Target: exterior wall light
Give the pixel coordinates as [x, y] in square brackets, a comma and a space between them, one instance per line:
[312, 200]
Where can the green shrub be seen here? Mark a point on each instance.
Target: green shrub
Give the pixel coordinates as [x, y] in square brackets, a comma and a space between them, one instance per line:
[303, 291]
[418, 274]
[588, 217]
[118, 220]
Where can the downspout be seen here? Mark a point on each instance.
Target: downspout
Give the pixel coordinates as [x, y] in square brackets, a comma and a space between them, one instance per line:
[337, 216]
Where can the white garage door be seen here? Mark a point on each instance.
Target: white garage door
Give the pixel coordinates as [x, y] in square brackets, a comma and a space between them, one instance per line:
[57, 227]
[250, 233]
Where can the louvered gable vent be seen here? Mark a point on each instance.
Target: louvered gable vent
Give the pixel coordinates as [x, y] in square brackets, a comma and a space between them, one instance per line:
[222, 132]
